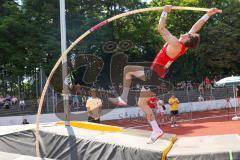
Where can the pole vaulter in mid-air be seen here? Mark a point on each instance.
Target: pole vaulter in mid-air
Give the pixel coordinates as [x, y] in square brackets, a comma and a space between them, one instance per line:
[170, 52]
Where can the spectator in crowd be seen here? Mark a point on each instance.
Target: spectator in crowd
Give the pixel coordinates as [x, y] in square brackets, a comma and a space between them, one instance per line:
[200, 98]
[75, 103]
[8, 97]
[183, 85]
[120, 87]
[160, 111]
[208, 84]
[25, 122]
[138, 86]
[163, 87]
[2, 100]
[84, 99]
[94, 106]
[38, 100]
[189, 85]
[238, 94]
[8, 102]
[210, 98]
[152, 102]
[155, 107]
[201, 88]
[214, 80]
[14, 100]
[174, 105]
[22, 104]
[228, 104]
[77, 89]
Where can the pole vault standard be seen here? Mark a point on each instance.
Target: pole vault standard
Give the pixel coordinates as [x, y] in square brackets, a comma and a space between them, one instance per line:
[80, 38]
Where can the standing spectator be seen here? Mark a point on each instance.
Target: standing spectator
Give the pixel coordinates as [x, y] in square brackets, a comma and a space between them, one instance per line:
[75, 103]
[238, 94]
[152, 101]
[207, 83]
[120, 87]
[160, 110]
[22, 104]
[228, 104]
[77, 89]
[174, 105]
[156, 105]
[94, 106]
[201, 88]
[138, 87]
[200, 98]
[84, 100]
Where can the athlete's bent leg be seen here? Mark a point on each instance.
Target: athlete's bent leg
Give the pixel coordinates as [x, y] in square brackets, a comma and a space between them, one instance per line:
[130, 71]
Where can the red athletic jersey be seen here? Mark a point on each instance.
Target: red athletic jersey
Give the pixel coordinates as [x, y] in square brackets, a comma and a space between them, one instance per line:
[162, 62]
[152, 102]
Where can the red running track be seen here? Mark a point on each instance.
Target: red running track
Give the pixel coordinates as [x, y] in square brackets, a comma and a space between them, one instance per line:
[211, 126]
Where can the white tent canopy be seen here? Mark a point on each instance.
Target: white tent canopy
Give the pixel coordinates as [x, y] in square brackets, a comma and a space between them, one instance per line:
[232, 81]
[228, 81]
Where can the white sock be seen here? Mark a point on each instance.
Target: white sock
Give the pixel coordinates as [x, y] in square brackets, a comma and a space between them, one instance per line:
[125, 92]
[155, 126]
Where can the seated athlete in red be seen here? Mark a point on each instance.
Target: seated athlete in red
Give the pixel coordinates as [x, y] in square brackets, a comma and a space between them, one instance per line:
[170, 52]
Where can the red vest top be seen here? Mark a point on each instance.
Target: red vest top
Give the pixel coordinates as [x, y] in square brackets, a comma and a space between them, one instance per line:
[152, 102]
[162, 61]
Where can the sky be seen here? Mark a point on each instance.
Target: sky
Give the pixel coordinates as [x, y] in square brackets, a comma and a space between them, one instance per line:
[146, 1]
[19, 2]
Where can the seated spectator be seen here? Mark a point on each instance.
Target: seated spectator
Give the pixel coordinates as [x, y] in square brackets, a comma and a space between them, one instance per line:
[184, 85]
[210, 98]
[25, 121]
[8, 102]
[8, 97]
[2, 100]
[163, 87]
[14, 100]
[200, 98]
[179, 85]
[189, 85]
[22, 104]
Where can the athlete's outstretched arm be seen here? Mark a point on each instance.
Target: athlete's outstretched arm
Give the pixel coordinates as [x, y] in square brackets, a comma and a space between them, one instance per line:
[199, 24]
[167, 36]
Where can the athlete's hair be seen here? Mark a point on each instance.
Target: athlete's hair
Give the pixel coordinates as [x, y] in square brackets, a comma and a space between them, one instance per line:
[193, 42]
[93, 90]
